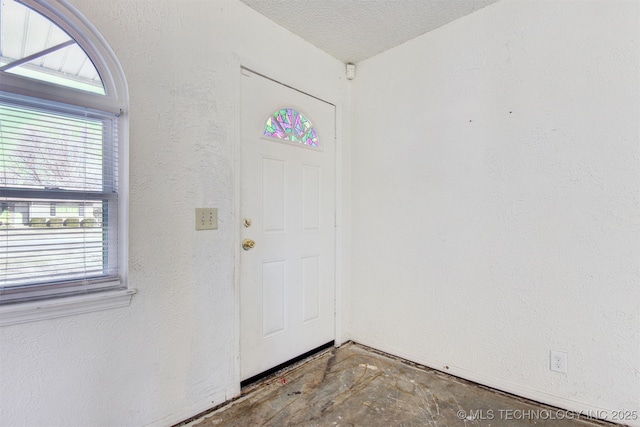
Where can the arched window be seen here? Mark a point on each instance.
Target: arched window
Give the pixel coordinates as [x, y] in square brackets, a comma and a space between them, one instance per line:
[63, 142]
[291, 125]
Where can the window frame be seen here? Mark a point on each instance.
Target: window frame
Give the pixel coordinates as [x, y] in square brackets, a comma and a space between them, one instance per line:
[115, 101]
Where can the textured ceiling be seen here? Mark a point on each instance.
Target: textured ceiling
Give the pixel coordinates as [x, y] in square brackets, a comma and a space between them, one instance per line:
[354, 30]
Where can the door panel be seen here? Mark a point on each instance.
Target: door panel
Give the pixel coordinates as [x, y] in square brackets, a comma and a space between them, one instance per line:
[310, 197]
[273, 196]
[273, 297]
[310, 287]
[287, 197]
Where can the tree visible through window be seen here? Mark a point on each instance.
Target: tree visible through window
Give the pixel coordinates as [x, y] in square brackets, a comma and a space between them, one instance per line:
[59, 157]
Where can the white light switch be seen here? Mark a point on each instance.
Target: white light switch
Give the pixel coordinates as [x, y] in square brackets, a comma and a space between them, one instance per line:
[206, 218]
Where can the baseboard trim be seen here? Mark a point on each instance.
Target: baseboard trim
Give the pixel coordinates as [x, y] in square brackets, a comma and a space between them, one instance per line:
[186, 414]
[499, 385]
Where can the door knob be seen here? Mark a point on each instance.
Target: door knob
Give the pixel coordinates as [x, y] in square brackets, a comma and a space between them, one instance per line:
[248, 244]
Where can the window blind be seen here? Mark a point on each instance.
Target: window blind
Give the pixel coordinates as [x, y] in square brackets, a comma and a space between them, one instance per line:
[59, 198]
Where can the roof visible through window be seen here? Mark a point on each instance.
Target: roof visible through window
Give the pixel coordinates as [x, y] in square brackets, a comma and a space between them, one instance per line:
[33, 46]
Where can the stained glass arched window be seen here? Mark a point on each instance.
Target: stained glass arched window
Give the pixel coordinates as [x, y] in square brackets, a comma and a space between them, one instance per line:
[291, 125]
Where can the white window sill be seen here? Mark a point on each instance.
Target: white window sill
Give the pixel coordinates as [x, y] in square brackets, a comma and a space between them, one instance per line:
[14, 314]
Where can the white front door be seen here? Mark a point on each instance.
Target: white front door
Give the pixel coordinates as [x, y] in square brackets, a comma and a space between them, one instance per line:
[287, 207]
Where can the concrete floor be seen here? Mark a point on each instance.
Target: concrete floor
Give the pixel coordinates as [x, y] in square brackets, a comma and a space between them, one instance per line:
[355, 386]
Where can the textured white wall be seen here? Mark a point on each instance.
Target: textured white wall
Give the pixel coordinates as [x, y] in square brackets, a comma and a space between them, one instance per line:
[496, 176]
[173, 352]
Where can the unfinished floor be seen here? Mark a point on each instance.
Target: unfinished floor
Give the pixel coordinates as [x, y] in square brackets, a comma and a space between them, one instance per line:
[356, 386]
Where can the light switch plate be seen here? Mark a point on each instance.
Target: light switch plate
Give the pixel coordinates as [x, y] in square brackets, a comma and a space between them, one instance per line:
[206, 218]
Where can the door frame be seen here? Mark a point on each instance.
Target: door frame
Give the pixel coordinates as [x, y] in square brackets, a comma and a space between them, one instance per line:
[278, 77]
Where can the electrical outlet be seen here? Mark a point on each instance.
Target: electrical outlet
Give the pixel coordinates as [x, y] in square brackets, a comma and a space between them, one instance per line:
[558, 361]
